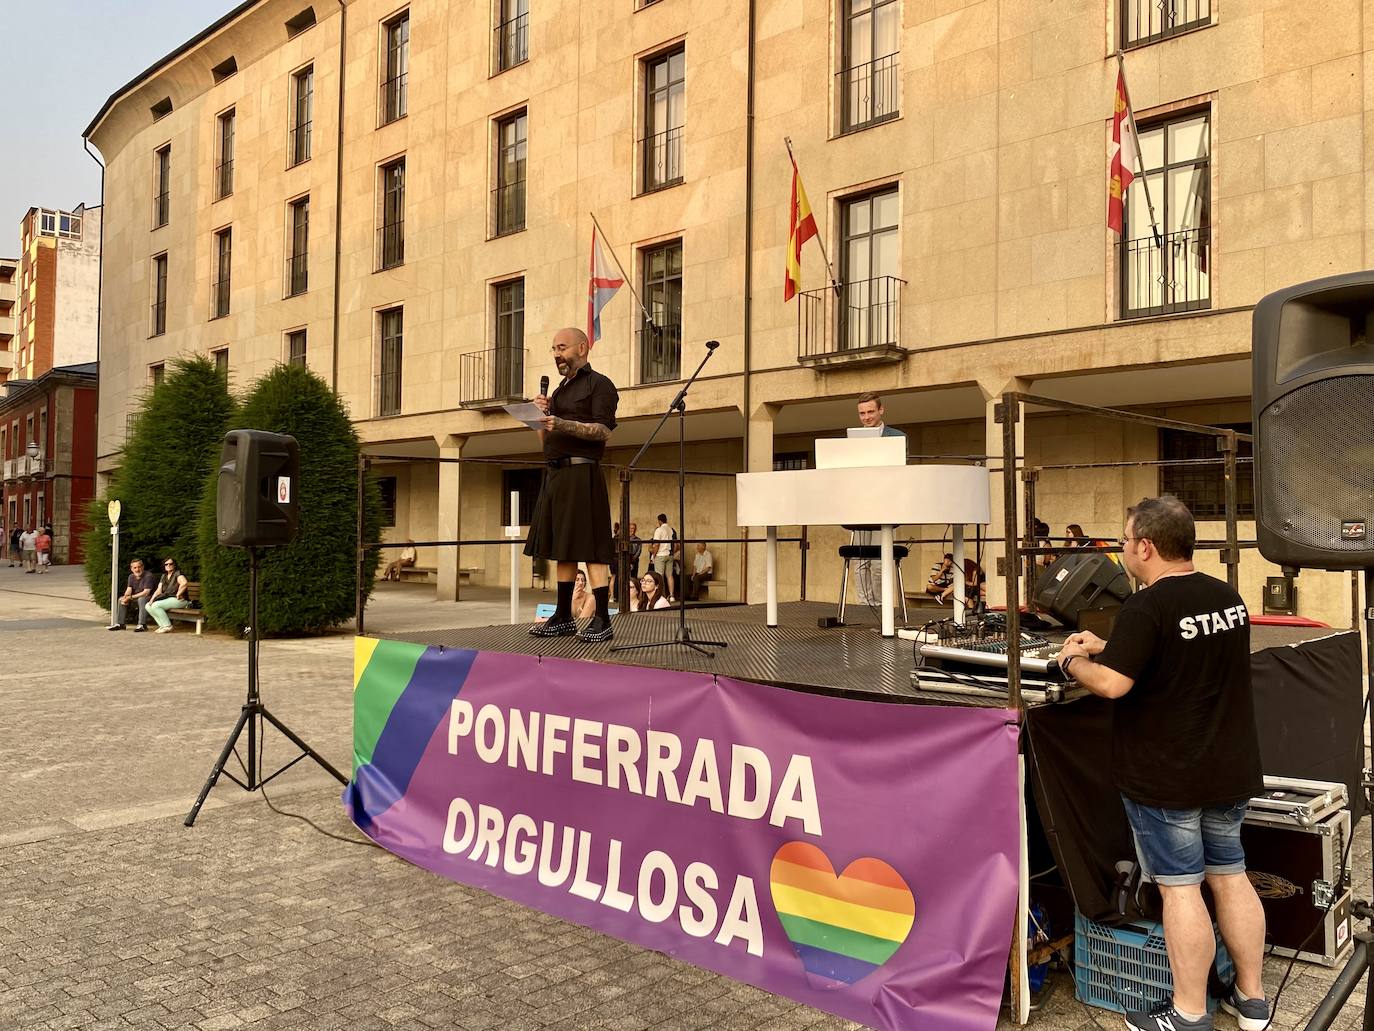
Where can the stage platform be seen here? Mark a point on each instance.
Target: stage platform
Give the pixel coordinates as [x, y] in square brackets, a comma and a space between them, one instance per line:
[852, 661]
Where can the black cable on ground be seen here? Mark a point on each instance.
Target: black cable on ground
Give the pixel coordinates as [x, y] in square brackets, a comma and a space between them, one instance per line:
[305, 819]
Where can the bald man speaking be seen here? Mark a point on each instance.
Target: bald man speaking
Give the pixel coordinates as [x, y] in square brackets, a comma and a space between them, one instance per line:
[572, 518]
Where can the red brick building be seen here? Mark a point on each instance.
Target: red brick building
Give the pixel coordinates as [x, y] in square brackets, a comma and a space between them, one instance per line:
[53, 415]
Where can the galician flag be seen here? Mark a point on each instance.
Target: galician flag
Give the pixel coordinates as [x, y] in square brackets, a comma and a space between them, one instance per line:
[600, 288]
[801, 227]
[1124, 155]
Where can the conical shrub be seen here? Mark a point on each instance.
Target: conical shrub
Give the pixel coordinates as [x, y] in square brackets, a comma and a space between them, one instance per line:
[309, 583]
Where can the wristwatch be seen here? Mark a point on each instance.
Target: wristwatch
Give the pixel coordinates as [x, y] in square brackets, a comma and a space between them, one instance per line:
[1064, 666]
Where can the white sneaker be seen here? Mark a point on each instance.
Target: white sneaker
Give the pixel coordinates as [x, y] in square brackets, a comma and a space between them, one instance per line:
[163, 630]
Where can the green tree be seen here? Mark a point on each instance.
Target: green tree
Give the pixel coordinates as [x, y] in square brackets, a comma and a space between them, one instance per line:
[309, 583]
[172, 446]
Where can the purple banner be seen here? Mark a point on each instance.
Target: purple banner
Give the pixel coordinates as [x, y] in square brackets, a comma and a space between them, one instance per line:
[859, 857]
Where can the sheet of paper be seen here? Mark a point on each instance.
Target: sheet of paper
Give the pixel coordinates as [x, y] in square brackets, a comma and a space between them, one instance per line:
[527, 412]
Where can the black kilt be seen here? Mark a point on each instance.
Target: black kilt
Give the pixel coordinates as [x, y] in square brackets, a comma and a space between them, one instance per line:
[572, 518]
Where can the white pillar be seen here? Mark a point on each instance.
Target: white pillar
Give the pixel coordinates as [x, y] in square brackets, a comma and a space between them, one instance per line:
[450, 521]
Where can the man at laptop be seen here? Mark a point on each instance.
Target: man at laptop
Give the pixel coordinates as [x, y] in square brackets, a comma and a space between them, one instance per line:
[870, 571]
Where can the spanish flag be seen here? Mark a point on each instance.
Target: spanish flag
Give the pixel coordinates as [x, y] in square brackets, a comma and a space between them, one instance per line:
[801, 227]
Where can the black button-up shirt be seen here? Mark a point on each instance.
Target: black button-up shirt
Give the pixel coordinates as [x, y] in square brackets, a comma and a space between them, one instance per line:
[587, 397]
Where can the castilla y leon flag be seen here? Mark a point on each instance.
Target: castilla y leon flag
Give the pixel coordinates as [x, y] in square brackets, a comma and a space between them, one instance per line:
[1124, 154]
[600, 288]
[800, 228]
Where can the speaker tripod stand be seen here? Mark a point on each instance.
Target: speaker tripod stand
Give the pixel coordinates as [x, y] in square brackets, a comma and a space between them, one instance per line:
[251, 717]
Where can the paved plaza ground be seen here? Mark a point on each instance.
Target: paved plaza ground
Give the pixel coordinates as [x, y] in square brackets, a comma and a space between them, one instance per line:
[115, 915]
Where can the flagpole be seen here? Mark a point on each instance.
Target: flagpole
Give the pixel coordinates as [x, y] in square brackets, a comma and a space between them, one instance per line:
[829, 271]
[628, 281]
[1140, 157]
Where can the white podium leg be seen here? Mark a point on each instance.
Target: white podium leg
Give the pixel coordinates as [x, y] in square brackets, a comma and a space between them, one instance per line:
[959, 590]
[889, 584]
[772, 576]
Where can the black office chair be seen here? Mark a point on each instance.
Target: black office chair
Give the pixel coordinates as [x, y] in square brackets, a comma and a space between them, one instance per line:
[852, 552]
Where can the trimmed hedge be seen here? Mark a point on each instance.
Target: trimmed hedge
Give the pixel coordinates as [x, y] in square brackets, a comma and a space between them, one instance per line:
[308, 584]
[173, 445]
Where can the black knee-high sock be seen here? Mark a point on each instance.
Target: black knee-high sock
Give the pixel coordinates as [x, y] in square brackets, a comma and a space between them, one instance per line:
[564, 609]
[603, 601]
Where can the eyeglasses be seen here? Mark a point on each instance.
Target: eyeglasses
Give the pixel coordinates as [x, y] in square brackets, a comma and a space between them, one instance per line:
[1123, 541]
[169, 565]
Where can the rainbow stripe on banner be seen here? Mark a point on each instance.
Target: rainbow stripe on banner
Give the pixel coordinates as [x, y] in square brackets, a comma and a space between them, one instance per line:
[842, 927]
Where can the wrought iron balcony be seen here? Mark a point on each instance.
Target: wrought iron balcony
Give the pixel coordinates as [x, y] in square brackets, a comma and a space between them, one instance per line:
[391, 245]
[662, 159]
[859, 321]
[1166, 276]
[393, 99]
[492, 377]
[660, 353]
[509, 204]
[1148, 21]
[298, 144]
[867, 94]
[512, 43]
[297, 275]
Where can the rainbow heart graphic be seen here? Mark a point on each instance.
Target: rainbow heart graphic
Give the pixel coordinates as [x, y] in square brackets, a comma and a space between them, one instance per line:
[842, 927]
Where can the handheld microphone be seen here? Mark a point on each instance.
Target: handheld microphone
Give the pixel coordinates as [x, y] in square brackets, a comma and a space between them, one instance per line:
[711, 345]
[544, 385]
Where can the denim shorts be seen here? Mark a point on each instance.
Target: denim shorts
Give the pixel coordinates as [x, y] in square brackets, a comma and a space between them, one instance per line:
[1181, 846]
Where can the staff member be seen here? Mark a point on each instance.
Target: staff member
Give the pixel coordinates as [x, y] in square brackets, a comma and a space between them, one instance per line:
[869, 573]
[572, 518]
[1185, 757]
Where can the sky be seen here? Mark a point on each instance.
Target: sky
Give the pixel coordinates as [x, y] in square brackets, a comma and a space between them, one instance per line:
[63, 59]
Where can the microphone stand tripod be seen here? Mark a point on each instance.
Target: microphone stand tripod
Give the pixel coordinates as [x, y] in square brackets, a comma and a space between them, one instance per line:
[679, 404]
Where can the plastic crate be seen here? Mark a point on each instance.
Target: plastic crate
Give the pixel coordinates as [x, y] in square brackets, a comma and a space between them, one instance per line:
[1127, 966]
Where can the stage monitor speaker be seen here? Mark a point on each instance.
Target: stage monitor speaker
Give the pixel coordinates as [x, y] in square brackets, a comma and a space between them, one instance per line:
[1313, 414]
[257, 502]
[1077, 585]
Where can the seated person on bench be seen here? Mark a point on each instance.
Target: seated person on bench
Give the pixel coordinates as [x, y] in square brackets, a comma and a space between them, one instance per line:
[407, 559]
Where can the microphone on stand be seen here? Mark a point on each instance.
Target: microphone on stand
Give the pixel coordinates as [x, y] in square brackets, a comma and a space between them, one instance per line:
[544, 386]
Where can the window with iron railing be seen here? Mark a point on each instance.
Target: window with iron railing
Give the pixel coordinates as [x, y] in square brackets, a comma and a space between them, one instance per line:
[498, 373]
[660, 335]
[391, 237]
[159, 320]
[219, 285]
[395, 68]
[302, 116]
[390, 332]
[162, 196]
[509, 195]
[1148, 21]
[1202, 487]
[511, 38]
[224, 168]
[867, 85]
[1165, 251]
[297, 267]
[665, 79]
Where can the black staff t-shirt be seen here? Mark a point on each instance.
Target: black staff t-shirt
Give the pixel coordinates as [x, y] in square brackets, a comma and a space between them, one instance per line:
[587, 397]
[1184, 736]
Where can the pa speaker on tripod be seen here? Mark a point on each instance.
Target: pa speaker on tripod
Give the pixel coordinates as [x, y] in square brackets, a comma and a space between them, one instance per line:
[257, 500]
[1314, 423]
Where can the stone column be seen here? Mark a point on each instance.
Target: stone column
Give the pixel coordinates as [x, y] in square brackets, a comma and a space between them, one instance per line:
[759, 459]
[450, 521]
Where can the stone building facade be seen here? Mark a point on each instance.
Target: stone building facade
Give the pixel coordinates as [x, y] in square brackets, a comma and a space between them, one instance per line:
[401, 197]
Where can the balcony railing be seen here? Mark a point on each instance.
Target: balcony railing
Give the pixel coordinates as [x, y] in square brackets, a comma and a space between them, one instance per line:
[12, 468]
[24, 467]
[860, 321]
[509, 201]
[159, 319]
[391, 245]
[219, 299]
[393, 98]
[389, 393]
[162, 209]
[511, 40]
[297, 275]
[660, 353]
[662, 159]
[1148, 21]
[224, 179]
[298, 144]
[1166, 276]
[491, 377]
[867, 94]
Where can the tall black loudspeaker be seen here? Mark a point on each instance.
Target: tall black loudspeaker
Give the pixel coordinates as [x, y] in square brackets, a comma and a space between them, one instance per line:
[257, 502]
[1313, 406]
